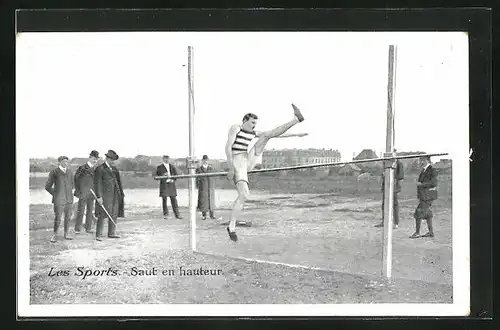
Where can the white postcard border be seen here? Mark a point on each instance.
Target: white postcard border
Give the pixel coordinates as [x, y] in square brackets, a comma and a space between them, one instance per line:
[460, 250]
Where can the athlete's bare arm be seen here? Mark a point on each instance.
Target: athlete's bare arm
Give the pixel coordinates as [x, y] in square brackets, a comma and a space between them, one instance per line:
[233, 131]
[285, 135]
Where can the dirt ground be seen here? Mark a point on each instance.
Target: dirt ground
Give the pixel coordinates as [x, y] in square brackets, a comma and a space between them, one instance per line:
[328, 231]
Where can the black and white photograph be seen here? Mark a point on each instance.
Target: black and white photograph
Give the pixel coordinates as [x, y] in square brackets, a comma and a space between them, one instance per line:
[166, 173]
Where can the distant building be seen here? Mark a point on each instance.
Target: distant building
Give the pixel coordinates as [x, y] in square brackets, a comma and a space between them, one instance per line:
[79, 161]
[214, 163]
[178, 162]
[155, 160]
[143, 159]
[223, 165]
[411, 165]
[291, 157]
[158, 160]
[443, 166]
[43, 161]
[349, 170]
[366, 154]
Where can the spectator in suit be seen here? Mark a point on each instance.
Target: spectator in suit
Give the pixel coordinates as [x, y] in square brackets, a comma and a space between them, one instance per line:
[426, 193]
[167, 187]
[109, 192]
[398, 176]
[206, 190]
[84, 181]
[60, 186]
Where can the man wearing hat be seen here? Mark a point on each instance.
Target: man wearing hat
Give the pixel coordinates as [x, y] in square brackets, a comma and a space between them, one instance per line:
[426, 193]
[167, 187]
[84, 181]
[206, 190]
[60, 186]
[109, 192]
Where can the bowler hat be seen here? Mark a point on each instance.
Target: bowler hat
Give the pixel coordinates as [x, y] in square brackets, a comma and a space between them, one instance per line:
[61, 158]
[94, 153]
[205, 157]
[166, 156]
[111, 154]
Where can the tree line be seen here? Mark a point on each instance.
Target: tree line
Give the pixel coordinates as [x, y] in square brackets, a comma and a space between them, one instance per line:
[123, 164]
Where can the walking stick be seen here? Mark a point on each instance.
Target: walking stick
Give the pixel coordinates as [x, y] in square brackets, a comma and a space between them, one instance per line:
[109, 216]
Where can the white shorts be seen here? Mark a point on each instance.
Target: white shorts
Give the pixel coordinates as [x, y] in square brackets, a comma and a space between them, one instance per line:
[242, 163]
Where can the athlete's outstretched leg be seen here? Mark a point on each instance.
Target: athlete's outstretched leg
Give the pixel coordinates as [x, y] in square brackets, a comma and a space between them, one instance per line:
[266, 136]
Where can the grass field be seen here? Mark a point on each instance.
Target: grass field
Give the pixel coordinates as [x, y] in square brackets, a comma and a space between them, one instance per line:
[324, 222]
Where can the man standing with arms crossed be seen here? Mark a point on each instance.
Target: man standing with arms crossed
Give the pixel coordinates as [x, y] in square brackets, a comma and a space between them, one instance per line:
[241, 160]
[84, 181]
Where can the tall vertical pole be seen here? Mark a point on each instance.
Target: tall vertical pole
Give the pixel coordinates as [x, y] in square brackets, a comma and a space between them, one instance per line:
[192, 182]
[389, 168]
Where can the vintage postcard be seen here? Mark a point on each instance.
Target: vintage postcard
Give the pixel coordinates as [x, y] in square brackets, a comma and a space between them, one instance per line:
[242, 173]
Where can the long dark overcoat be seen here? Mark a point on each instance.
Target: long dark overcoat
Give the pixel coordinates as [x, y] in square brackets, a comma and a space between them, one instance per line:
[206, 190]
[167, 189]
[108, 185]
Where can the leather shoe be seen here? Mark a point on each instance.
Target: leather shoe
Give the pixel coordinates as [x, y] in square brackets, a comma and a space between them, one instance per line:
[113, 236]
[232, 235]
[415, 235]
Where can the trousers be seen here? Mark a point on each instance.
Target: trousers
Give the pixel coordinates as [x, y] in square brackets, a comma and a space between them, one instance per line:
[112, 207]
[396, 209]
[61, 210]
[423, 211]
[173, 201]
[205, 214]
[85, 203]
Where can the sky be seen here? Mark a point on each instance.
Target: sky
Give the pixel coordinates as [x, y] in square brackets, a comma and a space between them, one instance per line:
[128, 91]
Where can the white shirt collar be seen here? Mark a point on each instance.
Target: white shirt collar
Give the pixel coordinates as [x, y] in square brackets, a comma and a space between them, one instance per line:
[90, 164]
[428, 164]
[167, 167]
[107, 164]
[62, 168]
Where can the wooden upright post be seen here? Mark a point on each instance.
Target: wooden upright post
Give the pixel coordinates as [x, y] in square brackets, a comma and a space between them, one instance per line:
[192, 180]
[389, 168]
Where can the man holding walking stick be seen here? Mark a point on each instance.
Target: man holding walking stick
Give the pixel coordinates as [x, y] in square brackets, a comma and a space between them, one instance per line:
[109, 193]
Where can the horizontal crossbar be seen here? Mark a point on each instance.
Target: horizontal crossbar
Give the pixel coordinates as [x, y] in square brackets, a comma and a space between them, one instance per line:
[297, 167]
